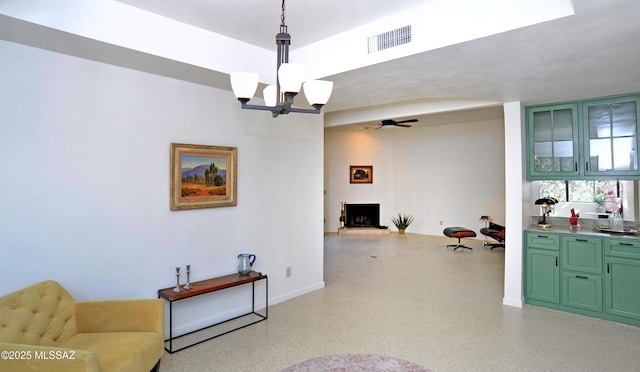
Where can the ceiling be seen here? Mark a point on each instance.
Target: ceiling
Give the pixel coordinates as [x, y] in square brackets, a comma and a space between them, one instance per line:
[257, 21]
[593, 53]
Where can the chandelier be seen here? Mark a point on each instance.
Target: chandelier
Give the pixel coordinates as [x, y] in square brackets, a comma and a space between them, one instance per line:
[279, 98]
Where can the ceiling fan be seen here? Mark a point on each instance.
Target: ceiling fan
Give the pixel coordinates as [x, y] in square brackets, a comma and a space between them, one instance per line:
[392, 123]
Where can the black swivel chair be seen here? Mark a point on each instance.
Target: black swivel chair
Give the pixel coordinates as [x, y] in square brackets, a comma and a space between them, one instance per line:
[495, 232]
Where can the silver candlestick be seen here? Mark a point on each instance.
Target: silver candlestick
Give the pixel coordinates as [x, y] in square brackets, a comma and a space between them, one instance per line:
[177, 287]
[188, 285]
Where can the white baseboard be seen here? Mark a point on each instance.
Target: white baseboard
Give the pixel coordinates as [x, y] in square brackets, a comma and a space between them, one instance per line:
[515, 302]
[299, 292]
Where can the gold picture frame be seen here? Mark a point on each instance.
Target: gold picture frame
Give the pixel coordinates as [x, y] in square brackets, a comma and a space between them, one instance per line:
[203, 176]
[361, 174]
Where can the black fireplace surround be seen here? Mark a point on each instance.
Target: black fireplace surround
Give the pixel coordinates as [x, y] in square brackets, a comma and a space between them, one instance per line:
[362, 215]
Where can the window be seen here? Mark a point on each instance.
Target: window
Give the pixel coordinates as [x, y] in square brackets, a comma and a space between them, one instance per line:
[580, 191]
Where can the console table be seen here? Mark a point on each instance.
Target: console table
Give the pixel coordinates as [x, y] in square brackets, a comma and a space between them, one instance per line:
[209, 286]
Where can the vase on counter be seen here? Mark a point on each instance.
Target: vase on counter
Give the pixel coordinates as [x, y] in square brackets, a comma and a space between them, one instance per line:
[600, 209]
[615, 222]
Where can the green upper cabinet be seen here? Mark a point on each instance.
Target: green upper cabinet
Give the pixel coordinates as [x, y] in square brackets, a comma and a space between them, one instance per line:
[552, 134]
[591, 139]
[611, 136]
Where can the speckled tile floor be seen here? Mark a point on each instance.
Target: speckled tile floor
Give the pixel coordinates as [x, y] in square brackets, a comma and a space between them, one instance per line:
[416, 300]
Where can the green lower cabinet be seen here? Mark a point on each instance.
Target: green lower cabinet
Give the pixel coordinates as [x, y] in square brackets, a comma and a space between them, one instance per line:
[581, 258]
[543, 276]
[582, 254]
[583, 274]
[622, 288]
[582, 291]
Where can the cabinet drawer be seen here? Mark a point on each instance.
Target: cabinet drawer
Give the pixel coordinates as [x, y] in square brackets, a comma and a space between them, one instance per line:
[622, 248]
[542, 241]
[582, 254]
[582, 291]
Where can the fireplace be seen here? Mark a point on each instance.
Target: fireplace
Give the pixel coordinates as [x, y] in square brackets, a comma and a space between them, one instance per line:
[362, 215]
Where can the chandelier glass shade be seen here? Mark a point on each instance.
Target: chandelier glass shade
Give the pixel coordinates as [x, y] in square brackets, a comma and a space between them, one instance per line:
[279, 98]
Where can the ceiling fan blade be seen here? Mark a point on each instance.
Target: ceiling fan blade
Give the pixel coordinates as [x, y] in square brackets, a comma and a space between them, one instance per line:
[407, 121]
[393, 123]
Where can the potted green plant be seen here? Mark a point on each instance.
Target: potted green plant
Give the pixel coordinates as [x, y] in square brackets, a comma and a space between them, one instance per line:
[402, 221]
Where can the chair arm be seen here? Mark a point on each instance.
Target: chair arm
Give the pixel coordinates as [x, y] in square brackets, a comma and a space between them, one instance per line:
[24, 357]
[121, 316]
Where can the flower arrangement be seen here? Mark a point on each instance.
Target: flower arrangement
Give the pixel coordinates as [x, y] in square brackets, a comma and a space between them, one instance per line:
[603, 194]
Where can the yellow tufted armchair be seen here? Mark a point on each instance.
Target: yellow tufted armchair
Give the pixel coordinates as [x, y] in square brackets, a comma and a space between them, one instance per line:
[43, 329]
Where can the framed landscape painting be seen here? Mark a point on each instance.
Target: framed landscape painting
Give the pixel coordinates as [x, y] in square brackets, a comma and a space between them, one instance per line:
[203, 176]
[361, 174]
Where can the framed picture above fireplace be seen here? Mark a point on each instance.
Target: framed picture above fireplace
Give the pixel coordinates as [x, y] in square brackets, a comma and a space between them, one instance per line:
[361, 174]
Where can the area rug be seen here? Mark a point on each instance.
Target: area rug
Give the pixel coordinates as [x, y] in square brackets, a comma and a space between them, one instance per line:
[355, 363]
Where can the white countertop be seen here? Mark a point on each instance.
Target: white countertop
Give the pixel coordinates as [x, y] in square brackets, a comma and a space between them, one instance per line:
[583, 230]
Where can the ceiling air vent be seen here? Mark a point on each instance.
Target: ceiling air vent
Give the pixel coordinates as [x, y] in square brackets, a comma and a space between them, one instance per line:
[390, 39]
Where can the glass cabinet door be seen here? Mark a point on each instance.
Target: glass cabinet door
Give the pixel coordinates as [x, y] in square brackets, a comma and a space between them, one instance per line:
[611, 133]
[552, 142]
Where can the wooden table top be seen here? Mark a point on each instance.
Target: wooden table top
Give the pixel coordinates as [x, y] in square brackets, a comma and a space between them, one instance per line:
[210, 285]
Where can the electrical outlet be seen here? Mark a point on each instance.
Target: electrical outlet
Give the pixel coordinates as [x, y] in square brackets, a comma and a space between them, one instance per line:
[441, 222]
[287, 272]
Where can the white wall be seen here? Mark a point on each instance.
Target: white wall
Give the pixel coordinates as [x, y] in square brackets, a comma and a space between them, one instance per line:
[84, 197]
[452, 172]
